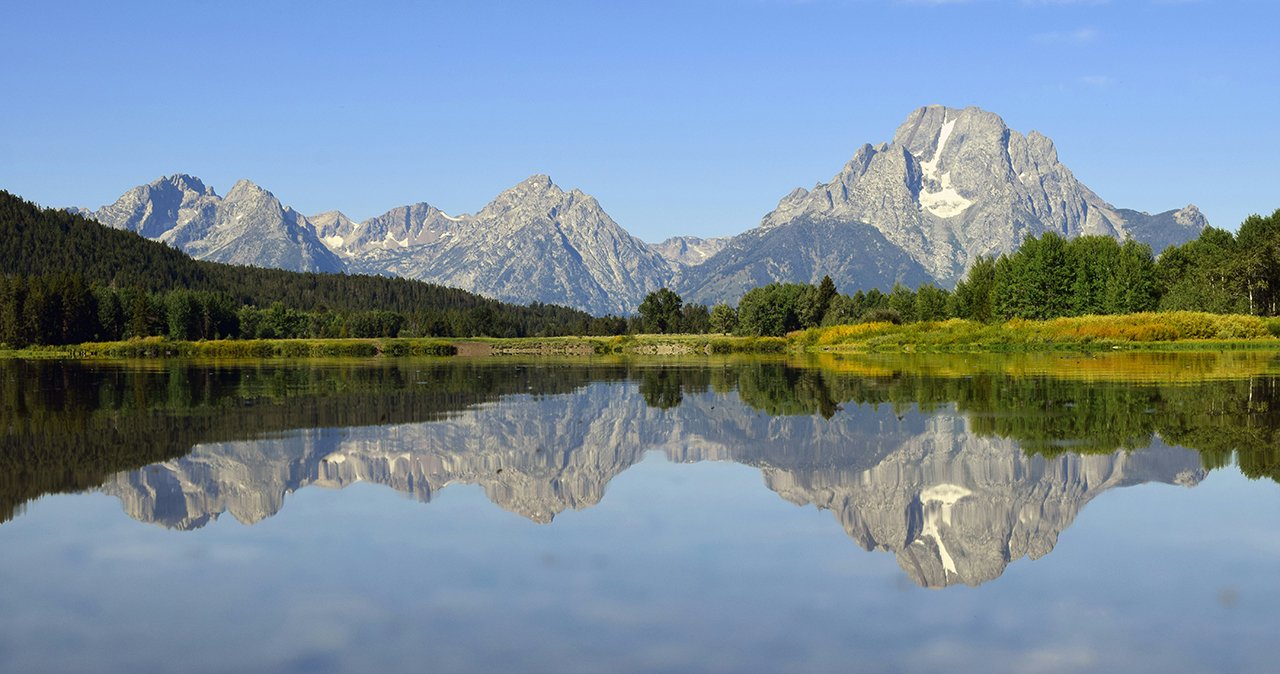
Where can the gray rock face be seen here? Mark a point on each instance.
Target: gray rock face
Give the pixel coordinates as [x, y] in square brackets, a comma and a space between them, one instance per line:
[332, 227]
[689, 251]
[397, 229]
[853, 254]
[956, 184]
[1169, 228]
[153, 209]
[953, 506]
[534, 243]
[249, 226]
[952, 185]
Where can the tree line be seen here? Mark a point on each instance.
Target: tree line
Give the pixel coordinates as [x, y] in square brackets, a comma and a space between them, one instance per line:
[1046, 277]
[63, 309]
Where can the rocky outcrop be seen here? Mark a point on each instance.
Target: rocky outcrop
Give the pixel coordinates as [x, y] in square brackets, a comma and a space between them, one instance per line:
[1169, 228]
[536, 243]
[689, 251]
[396, 230]
[952, 185]
[249, 226]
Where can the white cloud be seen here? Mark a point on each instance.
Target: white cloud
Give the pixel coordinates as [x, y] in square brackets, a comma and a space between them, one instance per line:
[1096, 81]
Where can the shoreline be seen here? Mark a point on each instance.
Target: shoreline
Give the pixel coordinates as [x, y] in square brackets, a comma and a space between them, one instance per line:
[946, 337]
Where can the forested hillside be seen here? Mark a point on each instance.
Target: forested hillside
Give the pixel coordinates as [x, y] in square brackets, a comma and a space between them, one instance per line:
[68, 279]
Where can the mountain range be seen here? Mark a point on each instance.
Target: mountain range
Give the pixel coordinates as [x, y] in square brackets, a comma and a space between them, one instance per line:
[952, 185]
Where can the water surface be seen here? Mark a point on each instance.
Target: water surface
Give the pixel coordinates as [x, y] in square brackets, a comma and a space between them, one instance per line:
[892, 513]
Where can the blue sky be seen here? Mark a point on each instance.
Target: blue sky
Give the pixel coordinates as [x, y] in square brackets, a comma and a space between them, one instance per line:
[689, 117]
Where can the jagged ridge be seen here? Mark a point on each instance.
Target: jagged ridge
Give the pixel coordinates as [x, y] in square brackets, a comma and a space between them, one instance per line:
[952, 185]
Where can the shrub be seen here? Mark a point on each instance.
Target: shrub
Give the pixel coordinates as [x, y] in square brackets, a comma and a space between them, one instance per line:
[839, 334]
[881, 316]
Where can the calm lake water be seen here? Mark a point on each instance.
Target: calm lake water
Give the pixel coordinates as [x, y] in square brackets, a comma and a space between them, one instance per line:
[964, 513]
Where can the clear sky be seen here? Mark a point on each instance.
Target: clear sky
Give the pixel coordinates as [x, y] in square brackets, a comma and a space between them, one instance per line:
[689, 117]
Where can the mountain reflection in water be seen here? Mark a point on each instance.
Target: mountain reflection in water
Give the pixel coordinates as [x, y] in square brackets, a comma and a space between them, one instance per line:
[957, 466]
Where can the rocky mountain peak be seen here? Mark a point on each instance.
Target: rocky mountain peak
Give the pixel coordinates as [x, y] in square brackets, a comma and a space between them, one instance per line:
[954, 183]
[245, 189]
[536, 242]
[689, 251]
[537, 185]
[186, 183]
[331, 222]
[248, 226]
[928, 128]
[535, 194]
[1191, 217]
[1042, 146]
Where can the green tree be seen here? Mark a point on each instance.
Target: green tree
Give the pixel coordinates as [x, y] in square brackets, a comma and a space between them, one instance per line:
[144, 316]
[42, 313]
[660, 311]
[723, 319]
[13, 298]
[1130, 284]
[874, 300]
[1202, 275]
[844, 309]
[815, 302]
[903, 301]
[695, 319]
[1035, 282]
[932, 303]
[1257, 260]
[110, 315]
[1092, 261]
[973, 296]
[770, 309]
[182, 315]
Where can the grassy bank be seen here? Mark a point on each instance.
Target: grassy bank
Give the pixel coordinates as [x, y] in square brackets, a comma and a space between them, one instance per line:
[1129, 366]
[660, 345]
[643, 345]
[1149, 331]
[1165, 331]
[155, 347]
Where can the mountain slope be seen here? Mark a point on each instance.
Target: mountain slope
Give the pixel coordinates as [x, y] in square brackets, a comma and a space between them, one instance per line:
[248, 227]
[533, 243]
[854, 255]
[52, 242]
[397, 229]
[689, 251]
[953, 185]
[1169, 228]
